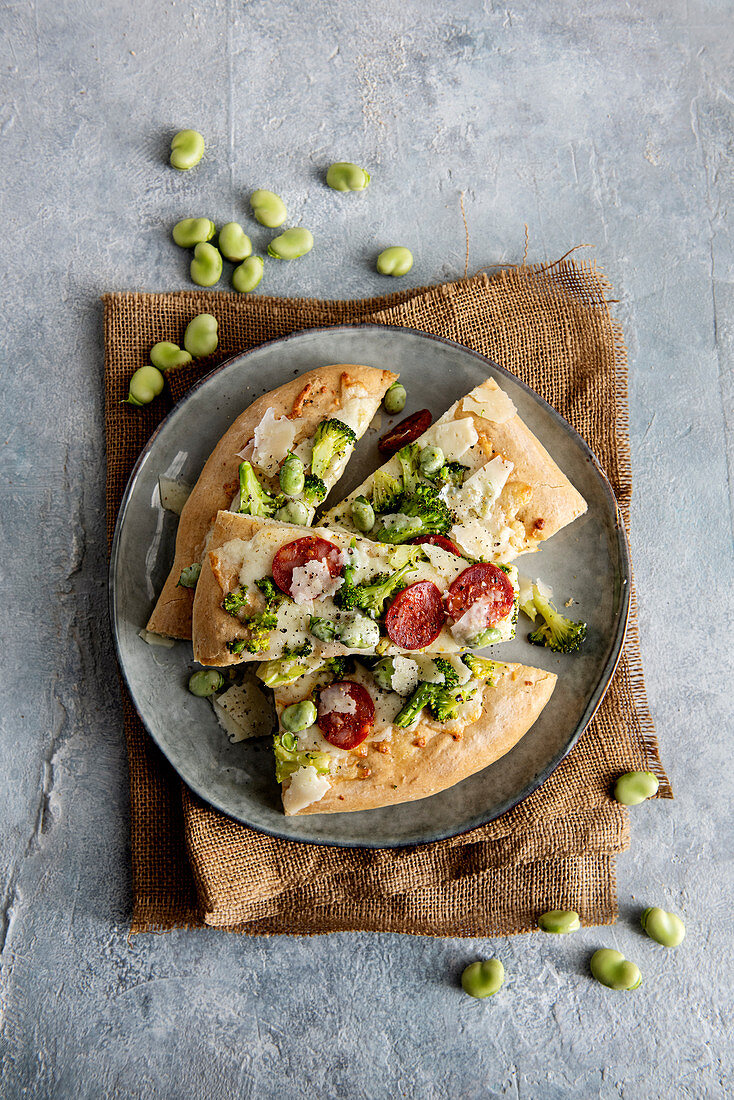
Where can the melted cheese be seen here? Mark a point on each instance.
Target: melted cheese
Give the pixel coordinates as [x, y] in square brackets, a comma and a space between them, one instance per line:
[406, 675]
[489, 402]
[306, 786]
[273, 439]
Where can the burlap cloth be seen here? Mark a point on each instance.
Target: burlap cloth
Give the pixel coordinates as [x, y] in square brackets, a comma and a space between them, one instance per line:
[192, 865]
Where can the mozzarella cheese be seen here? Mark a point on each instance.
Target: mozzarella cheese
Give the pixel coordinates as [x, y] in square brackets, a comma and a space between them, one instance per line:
[306, 786]
[406, 675]
[273, 439]
[337, 701]
[244, 710]
[312, 581]
[489, 402]
[454, 438]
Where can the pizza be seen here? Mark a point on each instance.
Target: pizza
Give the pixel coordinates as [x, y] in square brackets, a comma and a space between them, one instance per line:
[365, 627]
[283, 421]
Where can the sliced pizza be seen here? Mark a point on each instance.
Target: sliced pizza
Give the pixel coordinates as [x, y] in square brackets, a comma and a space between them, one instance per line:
[267, 587]
[318, 416]
[353, 737]
[478, 476]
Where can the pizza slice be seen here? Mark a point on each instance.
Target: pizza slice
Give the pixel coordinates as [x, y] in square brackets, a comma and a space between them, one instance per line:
[353, 737]
[331, 407]
[477, 476]
[268, 587]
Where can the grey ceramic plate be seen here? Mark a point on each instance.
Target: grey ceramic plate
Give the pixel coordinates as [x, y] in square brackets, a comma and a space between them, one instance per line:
[587, 561]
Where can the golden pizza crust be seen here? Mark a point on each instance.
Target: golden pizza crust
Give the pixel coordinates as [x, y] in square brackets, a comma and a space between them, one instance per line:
[312, 396]
[411, 770]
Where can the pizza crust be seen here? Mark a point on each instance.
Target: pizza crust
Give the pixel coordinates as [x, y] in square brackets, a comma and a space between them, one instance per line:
[312, 396]
[410, 771]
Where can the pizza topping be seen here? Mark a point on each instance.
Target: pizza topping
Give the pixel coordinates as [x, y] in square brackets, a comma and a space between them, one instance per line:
[407, 431]
[289, 567]
[454, 437]
[480, 491]
[489, 402]
[346, 714]
[306, 786]
[416, 615]
[479, 598]
[273, 440]
[438, 540]
[405, 675]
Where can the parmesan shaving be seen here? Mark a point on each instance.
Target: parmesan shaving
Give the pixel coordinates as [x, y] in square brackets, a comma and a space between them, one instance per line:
[244, 711]
[405, 676]
[174, 493]
[454, 438]
[337, 701]
[273, 439]
[156, 639]
[313, 581]
[489, 402]
[306, 786]
[472, 622]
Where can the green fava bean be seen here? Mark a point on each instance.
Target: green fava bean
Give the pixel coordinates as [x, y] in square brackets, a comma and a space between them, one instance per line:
[613, 970]
[359, 632]
[168, 356]
[665, 928]
[295, 511]
[363, 514]
[248, 275]
[635, 787]
[483, 978]
[395, 260]
[193, 231]
[344, 176]
[292, 476]
[291, 244]
[559, 921]
[205, 682]
[298, 716]
[431, 460]
[190, 575]
[395, 398]
[187, 149]
[234, 244]
[268, 208]
[145, 384]
[206, 266]
[201, 337]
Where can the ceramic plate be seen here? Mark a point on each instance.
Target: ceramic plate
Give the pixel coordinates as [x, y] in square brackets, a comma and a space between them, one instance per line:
[587, 561]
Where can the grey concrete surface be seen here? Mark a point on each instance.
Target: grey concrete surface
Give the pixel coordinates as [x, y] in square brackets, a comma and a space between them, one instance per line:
[608, 123]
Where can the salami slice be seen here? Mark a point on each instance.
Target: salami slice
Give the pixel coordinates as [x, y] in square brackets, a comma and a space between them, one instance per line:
[481, 582]
[346, 714]
[438, 540]
[297, 553]
[407, 431]
[416, 615]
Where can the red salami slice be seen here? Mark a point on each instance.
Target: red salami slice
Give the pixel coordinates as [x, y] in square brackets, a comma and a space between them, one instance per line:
[438, 540]
[416, 615]
[407, 431]
[295, 554]
[481, 582]
[340, 727]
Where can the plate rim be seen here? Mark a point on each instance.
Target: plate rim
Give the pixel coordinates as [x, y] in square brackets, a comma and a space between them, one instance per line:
[602, 683]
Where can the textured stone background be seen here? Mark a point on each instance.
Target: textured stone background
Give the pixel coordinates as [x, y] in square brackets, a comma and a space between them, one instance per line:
[601, 122]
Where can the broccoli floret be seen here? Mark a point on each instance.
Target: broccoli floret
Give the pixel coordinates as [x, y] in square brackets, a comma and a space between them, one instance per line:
[288, 757]
[254, 500]
[481, 668]
[331, 441]
[453, 473]
[425, 505]
[370, 598]
[323, 629]
[450, 675]
[259, 627]
[339, 667]
[301, 650]
[386, 492]
[446, 703]
[234, 601]
[421, 697]
[273, 595]
[314, 490]
[408, 457]
[558, 633]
